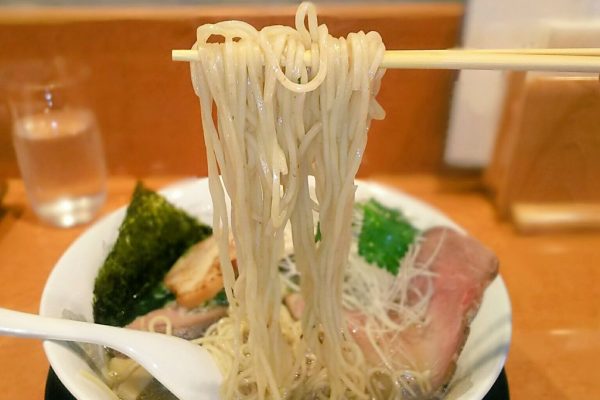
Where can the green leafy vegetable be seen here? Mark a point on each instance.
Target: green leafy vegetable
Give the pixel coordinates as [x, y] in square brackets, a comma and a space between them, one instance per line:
[153, 235]
[155, 298]
[385, 235]
[220, 299]
[318, 234]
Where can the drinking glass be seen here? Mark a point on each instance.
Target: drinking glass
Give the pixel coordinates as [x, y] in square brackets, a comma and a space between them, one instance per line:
[56, 139]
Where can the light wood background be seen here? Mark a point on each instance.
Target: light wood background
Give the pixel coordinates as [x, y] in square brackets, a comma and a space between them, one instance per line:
[147, 110]
[547, 157]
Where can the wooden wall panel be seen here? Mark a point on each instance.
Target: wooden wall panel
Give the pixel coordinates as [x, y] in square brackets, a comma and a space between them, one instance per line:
[145, 104]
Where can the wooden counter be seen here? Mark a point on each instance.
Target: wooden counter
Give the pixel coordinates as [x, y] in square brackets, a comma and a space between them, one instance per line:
[553, 282]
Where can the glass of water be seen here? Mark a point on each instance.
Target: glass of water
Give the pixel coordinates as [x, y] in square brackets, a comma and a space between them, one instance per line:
[57, 140]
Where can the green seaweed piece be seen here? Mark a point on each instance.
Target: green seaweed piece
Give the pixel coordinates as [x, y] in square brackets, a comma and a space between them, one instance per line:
[153, 235]
[385, 235]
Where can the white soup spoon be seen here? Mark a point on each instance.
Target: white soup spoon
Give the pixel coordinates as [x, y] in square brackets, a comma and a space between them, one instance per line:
[186, 369]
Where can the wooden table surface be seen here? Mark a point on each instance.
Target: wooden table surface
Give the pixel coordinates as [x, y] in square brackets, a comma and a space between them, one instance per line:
[553, 280]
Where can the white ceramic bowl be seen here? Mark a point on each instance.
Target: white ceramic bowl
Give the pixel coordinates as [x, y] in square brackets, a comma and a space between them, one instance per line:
[71, 283]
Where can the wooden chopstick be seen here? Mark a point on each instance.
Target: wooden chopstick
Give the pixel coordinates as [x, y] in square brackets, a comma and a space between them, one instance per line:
[557, 60]
[587, 51]
[490, 60]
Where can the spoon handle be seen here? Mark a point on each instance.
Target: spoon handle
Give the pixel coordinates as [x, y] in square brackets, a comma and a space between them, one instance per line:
[20, 324]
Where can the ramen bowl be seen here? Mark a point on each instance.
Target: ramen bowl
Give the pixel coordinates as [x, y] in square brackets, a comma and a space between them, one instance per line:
[70, 287]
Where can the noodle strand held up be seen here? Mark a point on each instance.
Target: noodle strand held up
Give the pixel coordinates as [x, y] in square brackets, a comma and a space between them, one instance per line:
[278, 122]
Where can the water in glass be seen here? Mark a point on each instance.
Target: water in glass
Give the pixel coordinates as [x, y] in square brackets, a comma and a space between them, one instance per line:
[61, 159]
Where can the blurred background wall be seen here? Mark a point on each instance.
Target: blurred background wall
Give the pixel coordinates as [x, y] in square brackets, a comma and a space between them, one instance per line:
[187, 2]
[147, 110]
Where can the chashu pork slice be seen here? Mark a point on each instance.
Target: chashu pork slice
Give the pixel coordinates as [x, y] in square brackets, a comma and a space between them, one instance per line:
[183, 323]
[462, 268]
[196, 277]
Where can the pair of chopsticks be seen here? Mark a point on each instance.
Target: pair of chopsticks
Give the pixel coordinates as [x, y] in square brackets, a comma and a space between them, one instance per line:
[557, 60]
